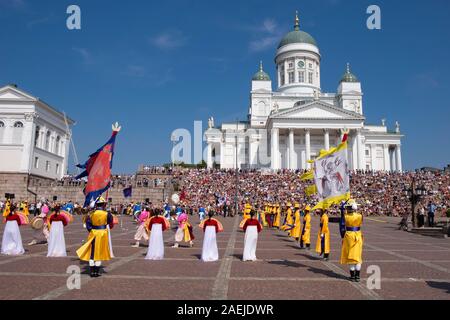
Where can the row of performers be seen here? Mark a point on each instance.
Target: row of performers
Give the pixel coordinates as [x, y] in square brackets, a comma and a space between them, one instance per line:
[98, 246]
[297, 224]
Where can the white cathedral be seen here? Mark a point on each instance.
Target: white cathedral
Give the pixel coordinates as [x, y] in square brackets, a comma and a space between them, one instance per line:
[289, 126]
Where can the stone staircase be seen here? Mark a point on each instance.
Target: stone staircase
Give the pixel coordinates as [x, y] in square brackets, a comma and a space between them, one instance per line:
[437, 232]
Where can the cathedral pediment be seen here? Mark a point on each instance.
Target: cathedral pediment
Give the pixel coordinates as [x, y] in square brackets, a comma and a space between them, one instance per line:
[316, 110]
[12, 93]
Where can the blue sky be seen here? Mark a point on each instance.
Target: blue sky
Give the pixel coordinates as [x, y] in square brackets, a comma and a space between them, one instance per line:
[156, 66]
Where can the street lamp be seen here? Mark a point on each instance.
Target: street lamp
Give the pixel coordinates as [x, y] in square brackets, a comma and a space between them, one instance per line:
[414, 195]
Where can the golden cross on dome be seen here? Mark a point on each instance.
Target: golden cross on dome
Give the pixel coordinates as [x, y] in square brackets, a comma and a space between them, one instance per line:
[297, 21]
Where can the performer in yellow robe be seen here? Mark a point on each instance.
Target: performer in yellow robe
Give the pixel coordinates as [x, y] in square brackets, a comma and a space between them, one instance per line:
[7, 208]
[246, 214]
[277, 216]
[323, 236]
[289, 223]
[262, 214]
[24, 207]
[353, 240]
[306, 230]
[97, 247]
[295, 231]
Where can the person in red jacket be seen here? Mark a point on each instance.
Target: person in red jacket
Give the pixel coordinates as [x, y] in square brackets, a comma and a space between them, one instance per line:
[156, 226]
[251, 228]
[12, 240]
[56, 240]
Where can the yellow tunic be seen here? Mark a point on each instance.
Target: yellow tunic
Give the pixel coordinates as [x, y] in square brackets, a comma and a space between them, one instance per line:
[277, 218]
[246, 215]
[295, 232]
[101, 245]
[306, 232]
[352, 244]
[289, 221]
[323, 245]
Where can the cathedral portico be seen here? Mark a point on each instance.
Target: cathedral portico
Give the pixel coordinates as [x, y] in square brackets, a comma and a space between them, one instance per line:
[289, 126]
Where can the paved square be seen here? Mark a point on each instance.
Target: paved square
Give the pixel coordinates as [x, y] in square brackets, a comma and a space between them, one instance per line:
[412, 267]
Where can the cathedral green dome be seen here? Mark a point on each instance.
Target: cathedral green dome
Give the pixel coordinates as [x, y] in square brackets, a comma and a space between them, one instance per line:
[348, 76]
[297, 36]
[261, 75]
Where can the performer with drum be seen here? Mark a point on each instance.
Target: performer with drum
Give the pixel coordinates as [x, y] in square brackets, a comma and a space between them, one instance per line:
[141, 232]
[184, 231]
[40, 226]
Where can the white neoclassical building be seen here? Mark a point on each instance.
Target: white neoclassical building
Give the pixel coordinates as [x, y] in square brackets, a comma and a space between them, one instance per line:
[288, 126]
[34, 137]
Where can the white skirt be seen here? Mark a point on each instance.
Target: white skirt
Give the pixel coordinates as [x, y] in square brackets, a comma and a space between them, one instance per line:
[56, 241]
[210, 251]
[109, 241]
[12, 241]
[179, 235]
[156, 244]
[141, 233]
[250, 242]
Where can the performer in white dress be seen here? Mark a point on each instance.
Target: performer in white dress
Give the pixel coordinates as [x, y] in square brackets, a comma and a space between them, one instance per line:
[56, 240]
[156, 225]
[210, 227]
[251, 228]
[12, 240]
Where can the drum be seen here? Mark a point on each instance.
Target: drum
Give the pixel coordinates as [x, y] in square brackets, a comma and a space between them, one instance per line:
[37, 223]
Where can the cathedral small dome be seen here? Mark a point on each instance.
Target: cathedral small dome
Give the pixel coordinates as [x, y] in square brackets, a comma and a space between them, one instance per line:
[348, 76]
[261, 75]
[297, 36]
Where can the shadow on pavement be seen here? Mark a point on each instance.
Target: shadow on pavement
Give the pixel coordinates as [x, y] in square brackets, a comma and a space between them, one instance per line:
[287, 263]
[439, 285]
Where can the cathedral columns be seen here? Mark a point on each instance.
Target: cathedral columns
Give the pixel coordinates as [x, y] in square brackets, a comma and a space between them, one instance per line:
[326, 139]
[308, 147]
[387, 165]
[361, 151]
[209, 161]
[274, 143]
[398, 158]
[292, 165]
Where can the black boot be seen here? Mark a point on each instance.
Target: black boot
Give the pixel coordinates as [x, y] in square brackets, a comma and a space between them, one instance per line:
[92, 272]
[357, 276]
[352, 275]
[308, 247]
[326, 256]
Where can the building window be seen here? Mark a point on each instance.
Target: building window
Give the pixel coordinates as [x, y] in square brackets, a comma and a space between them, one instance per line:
[36, 136]
[57, 168]
[18, 130]
[367, 152]
[58, 142]
[290, 65]
[291, 77]
[2, 126]
[47, 166]
[310, 65]
[301, 77]
[282, 79]
[310, 77]
[36, 162]
[47, 141]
